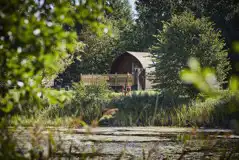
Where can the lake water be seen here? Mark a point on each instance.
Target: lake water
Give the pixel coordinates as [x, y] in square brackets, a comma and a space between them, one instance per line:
[139, 143]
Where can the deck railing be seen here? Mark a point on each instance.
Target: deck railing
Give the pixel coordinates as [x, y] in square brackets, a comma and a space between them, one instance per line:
[110, 79]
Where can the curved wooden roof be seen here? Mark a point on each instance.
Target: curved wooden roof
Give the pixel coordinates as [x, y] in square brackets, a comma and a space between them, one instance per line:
[145, 58]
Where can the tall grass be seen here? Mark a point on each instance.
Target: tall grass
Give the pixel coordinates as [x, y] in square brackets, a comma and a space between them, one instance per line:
[150, 109]
[213, 112]
[140, 108]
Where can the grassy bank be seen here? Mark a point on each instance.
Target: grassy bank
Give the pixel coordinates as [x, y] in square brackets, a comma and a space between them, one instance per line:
[141, 108]
[151, 109]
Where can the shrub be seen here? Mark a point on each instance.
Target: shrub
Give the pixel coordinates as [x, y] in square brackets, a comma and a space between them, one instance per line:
[86, 103]
[89, 101]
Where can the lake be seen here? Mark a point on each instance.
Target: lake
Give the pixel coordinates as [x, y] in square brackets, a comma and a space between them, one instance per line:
[135, 143]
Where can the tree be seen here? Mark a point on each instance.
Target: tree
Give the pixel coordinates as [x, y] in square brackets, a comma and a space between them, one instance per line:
[183, 37]
[151, 13]
[34, 41]
[95, 57]
[99, 51]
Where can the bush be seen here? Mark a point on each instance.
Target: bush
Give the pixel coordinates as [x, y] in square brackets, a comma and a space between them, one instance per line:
[182, 38]
[87, 103]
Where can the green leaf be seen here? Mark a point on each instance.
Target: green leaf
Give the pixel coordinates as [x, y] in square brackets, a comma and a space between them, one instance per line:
[8, 108]
[234, 83]
[194, 64]
[188, 76]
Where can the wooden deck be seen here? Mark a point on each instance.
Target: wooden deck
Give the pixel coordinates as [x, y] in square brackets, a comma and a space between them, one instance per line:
[111, 79]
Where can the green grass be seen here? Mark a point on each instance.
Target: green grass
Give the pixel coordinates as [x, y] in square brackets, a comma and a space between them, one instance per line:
[140, 108]
[143, 109]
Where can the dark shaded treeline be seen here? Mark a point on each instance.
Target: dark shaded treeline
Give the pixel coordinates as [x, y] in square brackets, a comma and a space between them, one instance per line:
[224, 13]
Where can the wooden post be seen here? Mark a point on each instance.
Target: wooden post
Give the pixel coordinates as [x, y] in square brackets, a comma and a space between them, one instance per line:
[128, 87]
[115, 80]
[127, 79]
[81, 77]
[137, 79]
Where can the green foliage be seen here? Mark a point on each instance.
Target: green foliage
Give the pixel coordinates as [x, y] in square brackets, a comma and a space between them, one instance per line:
[183, 37]
[121, 12]
[99, 51]
[151, 14]
[202, 79]
[90, 100]
[213, 112]
[33, 39]
[86, 103]
[8, 145]
[62, 63]
[36, 42]
[141, 108]
[205, 79]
